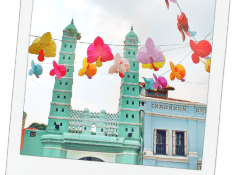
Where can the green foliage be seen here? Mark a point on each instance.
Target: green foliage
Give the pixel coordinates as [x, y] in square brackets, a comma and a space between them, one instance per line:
[71, 32]
[38, 126]
[79, 36]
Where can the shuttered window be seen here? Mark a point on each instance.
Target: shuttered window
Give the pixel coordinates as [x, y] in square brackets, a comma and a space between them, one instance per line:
[179, 143]
[161, 142]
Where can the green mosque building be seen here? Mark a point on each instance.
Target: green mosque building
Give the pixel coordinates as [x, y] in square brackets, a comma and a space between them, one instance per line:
[83, 135]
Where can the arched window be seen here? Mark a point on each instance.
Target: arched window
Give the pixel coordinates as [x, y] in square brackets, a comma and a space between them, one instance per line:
[93, 128]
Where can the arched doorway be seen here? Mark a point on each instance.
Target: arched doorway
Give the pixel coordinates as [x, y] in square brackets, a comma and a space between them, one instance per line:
[91, 159]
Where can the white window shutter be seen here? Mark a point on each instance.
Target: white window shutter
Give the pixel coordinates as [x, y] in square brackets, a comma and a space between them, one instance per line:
[154, 141]
[185, 143]
[167, 142]
[174, 142]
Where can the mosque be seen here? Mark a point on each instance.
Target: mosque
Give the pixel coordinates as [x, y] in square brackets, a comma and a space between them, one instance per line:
[148, 129]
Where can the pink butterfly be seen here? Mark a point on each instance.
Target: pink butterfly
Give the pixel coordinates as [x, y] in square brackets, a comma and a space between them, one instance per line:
[150, 53]
[160, 83]
[58, 70]
[167, 2]
[120, 65]
[99, 52]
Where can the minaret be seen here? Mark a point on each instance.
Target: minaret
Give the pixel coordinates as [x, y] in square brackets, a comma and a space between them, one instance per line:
[129, 116]
[62, 92]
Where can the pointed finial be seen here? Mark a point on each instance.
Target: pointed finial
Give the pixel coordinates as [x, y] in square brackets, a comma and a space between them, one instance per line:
[132, 27]
[72, 21]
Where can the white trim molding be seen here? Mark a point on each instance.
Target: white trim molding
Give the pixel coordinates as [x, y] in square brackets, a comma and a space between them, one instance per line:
[172, 102]
[57, 90]
[61, 104]
[67, 65]
[134, 72]
[129, 84]
[126, 109]
[129, 48]
[174, 116]
[89, 151]
[67, 53]
[193, 154]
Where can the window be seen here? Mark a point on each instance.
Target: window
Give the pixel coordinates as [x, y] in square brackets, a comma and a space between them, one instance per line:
[161, 142]
[67, 70]
[66, 83]
[62, 110]
[128, 88]
[133, 64]
[58, 96]
[102, 129]
[127, 102]
[179, 143]
[64, 97]
[133, 89]
[134, 77]
[32, 134]
[151, 93]
[133, 53]
[84, 128]
[71, 46]
[128, 76]
[60, 83]
[133, 116]
[126, 129]
[129, 52]
[69, 58]
[126, 115]
[56, 109]
[60, 124]
[199, 164]
[161, 94]
[133, 102]
[132, 130]
[65, 45]
[63, 57]
[93, 128]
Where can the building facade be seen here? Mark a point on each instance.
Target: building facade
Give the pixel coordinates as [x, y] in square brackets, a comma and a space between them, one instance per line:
[148, 129]
[173, 130]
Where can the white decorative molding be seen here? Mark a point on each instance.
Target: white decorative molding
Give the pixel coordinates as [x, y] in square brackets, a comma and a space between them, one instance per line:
[129, 84]
[89, 151]
[67, 78]
[132, 38]
[131, 59]
[61, 104]
[129, 48]
[126, 109]
[67, 65]
[56, 117]
[136, 72]
[172, 102]
[193, 154]
[67, 53]
[57, 90]
[174, 116]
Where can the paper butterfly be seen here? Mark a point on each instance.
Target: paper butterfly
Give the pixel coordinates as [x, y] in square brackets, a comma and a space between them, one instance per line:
[59, 70]
[201, 49]
[99, 52]
[151, 56]
[88, 69]
[120, 66]
[207, 64]
[183, 26]
[43, 47]
[149, 83]
[167, 2]
[178, 71]
[160, 82]
[35, 69]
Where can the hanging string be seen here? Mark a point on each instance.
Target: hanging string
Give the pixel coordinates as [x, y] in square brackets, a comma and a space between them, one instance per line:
[113, 44]
[38, 84]
[208, 35]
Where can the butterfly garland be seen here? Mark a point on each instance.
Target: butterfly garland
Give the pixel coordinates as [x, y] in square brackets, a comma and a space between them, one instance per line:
[35, 69]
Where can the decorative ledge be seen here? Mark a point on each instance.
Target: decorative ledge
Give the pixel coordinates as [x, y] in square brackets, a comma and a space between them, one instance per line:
[62, 104]
[175, 116]
[67, 53]
[172, 102]
[57, 90]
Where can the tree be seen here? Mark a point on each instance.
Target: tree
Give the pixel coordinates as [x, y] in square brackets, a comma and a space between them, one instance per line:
[38, 126]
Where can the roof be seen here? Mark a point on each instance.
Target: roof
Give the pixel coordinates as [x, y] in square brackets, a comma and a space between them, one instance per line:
[142, 84]
[31, 128]
[131, 34]
[71, 26]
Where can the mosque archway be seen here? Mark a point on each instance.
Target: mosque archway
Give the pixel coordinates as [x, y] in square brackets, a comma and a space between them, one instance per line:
[91, 159]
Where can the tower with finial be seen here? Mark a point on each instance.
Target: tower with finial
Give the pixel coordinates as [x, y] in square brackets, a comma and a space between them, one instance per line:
[62, 92]
[129, 95]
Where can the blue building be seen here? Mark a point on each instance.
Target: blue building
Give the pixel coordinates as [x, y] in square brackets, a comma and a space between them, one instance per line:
[173, 130]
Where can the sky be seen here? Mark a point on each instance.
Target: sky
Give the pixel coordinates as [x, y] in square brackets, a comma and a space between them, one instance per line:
[112, 21]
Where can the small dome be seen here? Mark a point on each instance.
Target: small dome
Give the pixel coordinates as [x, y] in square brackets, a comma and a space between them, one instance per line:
[103, 111]
[86, 110]
[71, 26]
[131, 34]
